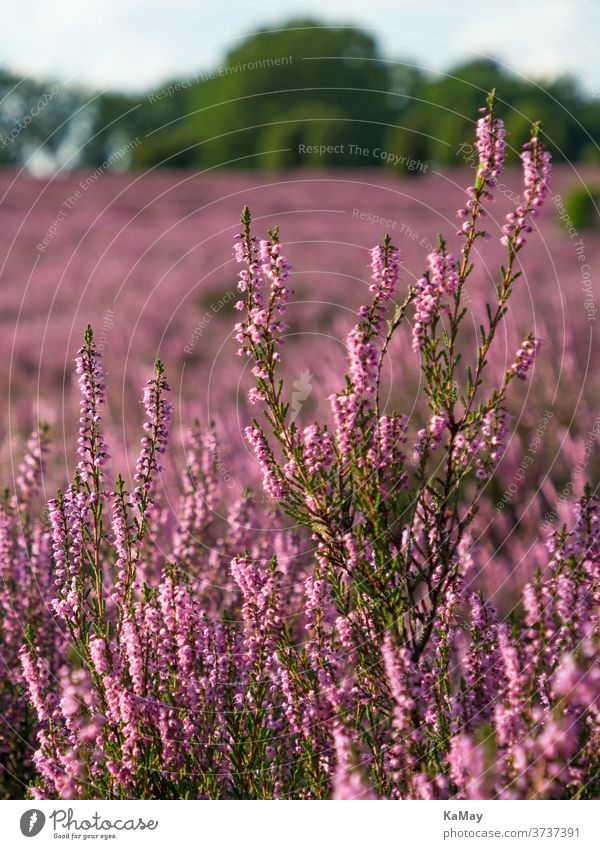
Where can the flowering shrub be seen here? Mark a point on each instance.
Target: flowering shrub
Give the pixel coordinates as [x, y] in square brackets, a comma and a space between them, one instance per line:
[351, 658]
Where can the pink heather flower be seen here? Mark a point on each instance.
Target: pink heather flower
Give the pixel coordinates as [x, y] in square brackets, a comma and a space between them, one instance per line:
[250, 282]
[272, 482]
[467, 767]
[239, 251]
[497, 441]
[69, 705]
[576, 686]
[443, 272]
[69, 516]
[275, 266]
[343, 626]
[255, 396]
[386, 453]
[428, 439]
[133, 650]
[426, 303]
[399, 671]
[400, 677]
[36, 677]
[362, 341]
[525, 357]
[92, 449]
[98, 655]
[353, 551]
[200, 492]
[249, 278]
[391, 435]
[442, 279]
[482, 665]
[125, 543]
[31, 470]
[345, 410]
[491, 146]
[531, 603]
[261, 612]
[363, 351]
[264, 325]
[348, 782]
[385, 265]
[317, 596]
[264, 263]
[317, 448]
[276, 270]
[487, 447]
[154, 444]
[363, 358]
[536, 168]
[509, 711]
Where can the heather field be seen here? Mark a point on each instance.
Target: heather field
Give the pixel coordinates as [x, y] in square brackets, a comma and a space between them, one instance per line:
[146, 260]
[388, 587]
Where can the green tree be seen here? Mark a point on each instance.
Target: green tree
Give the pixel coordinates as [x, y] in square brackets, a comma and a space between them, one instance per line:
[288, 84]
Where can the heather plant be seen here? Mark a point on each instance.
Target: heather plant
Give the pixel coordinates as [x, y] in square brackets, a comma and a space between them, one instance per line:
[350, 655]
[25, 586]
[389, 534]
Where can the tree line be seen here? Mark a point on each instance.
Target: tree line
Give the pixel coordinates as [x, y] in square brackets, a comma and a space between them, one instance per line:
[301, 96]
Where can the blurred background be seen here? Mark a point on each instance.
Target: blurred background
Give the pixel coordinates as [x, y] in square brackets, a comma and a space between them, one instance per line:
[132, 134]
[203, 86]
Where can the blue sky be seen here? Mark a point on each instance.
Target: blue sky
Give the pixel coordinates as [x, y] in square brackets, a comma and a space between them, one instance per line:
[137, 44]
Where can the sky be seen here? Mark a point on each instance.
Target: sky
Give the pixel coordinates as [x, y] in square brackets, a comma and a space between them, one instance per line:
[134, 45]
